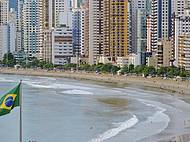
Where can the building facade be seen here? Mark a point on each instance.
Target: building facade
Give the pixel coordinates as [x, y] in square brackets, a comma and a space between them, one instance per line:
[95, 30]
[62, 50]
[161, 18]
[33, 28]
[4, 28]
[184, 51]
[85, 29]
[115, 29]
[76, 29]
[181, 27]
[62, 37]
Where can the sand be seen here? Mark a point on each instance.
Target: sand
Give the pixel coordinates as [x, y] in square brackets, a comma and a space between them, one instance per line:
[173, 86]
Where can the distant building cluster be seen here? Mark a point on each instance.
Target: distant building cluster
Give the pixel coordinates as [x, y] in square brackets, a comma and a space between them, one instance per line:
[140, 32]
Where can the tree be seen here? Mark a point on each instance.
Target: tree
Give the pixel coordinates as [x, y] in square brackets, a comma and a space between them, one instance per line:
[114, 69]
[162, 71]
[173, 71]
[106, 68]
[131, 68]
[9, 60]
[48, 66]
[86, 67]
[139, 69]
[125, 69]
[149, 70]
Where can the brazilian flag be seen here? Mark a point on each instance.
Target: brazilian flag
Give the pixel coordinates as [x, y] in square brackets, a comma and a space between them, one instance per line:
[10, 100]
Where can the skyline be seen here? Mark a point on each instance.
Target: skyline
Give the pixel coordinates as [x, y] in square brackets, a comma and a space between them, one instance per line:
[126, 32]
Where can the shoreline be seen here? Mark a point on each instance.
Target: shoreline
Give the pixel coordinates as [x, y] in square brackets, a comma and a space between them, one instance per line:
[169, 85]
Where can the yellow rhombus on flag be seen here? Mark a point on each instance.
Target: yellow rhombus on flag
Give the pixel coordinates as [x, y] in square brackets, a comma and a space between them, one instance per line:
[10, 100]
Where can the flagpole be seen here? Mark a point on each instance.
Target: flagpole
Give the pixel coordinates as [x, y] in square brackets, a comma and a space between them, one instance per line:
[20, 101]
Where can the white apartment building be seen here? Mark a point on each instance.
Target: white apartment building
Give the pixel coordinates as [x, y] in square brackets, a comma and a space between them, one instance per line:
[62, 50]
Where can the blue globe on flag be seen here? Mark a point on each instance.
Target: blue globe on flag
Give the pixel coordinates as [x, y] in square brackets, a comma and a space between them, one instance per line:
[9, 101]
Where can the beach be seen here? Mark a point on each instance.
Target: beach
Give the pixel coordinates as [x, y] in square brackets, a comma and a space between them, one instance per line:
[169, 85]
[95, 108]
[70, 110]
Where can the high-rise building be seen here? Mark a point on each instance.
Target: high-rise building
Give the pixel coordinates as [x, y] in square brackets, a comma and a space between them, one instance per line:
[141, 36]
[19, 31]
[62, 49]
[33, 28]
[48, 24]
[161, 16]
[136, 7]
[85, 29]
[95, 30]
[12, 24]
[76, 29]
[76, 3]
[62, 13]
[184, 51]
[62, 37]
[179, 5]
[4, 32]
[181, 28]
[115, 29]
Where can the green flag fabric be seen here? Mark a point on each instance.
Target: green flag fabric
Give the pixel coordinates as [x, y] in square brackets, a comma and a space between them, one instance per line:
[10, 100]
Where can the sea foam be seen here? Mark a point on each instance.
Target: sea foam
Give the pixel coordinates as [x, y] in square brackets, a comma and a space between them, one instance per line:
[115, 131]
[77, 92]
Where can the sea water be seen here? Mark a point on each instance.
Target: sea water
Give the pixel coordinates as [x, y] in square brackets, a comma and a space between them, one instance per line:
[66, 110]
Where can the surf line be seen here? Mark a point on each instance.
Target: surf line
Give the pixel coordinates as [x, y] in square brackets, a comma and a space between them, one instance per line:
[115, 131]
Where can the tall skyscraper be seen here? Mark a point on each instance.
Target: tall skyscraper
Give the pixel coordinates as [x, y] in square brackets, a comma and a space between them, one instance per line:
[181, 29]
[95, 30]
[19, 31]
[137, 6]
[139, 12]
[115, 28]
[12, 30]
[33, 28]
[76, 3]
[161, 16]
[62, 40]
[63, 13]
[85, 29]
[4, 32]
[48, 24]
[76, 29]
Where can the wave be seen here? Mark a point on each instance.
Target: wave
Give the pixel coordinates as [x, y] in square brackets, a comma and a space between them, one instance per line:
[115, 131]
[54, 85]
[6, 80]
[77, 92]
[158, 121]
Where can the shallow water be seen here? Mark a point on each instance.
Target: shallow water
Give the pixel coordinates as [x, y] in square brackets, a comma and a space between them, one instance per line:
[67, 110]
